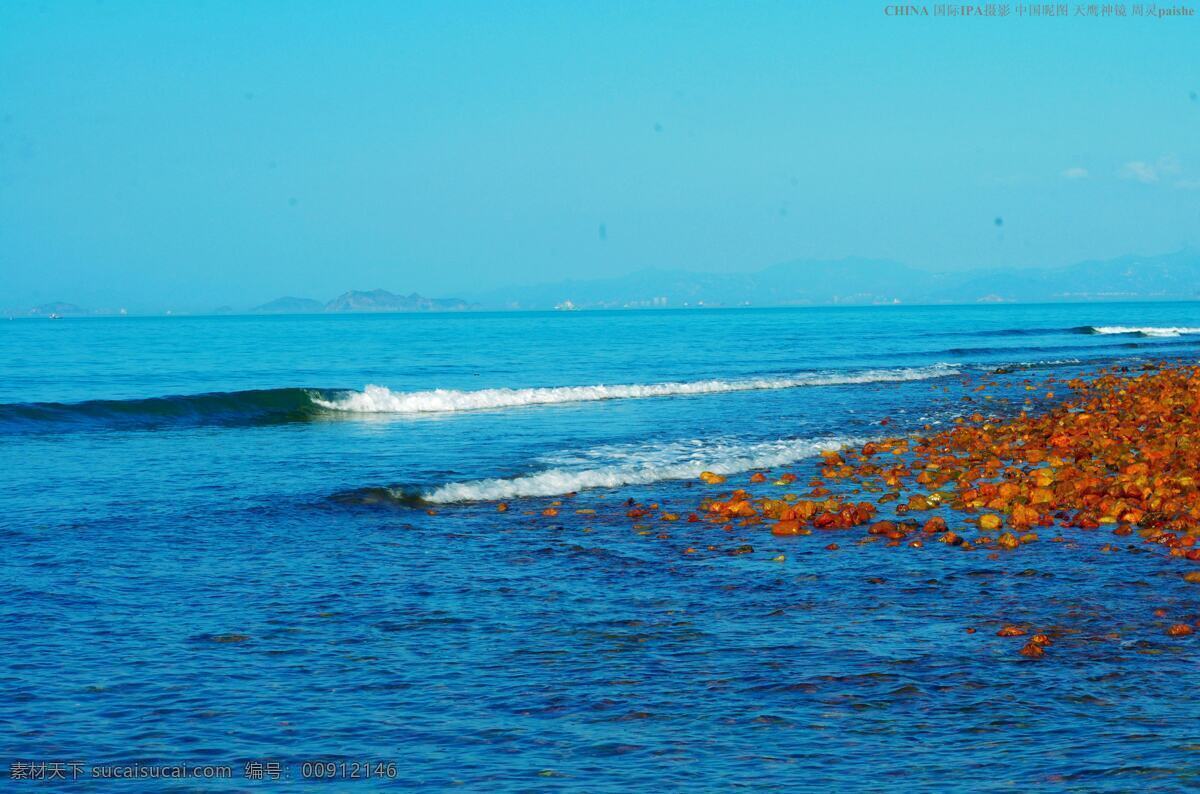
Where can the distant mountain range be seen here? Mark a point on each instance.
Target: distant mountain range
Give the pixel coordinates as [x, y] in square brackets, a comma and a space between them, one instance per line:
[849, 282]
[1174, 276]
[290, 306]
[376, 300]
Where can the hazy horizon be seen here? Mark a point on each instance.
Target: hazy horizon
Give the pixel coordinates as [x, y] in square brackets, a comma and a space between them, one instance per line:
[226, 154]
[1092, 282]
[472, 293]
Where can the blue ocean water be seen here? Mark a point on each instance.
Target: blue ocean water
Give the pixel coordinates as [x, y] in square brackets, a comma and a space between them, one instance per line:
[235, 539]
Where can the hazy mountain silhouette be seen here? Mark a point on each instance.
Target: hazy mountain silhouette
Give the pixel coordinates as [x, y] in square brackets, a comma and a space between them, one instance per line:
[1174, 276]
[380, 300]
[846, 282]
[289, 305]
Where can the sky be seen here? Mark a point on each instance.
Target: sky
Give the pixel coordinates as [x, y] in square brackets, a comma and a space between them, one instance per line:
[195, 154]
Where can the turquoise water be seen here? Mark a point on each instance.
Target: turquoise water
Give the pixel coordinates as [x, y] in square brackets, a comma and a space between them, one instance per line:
[221, 546]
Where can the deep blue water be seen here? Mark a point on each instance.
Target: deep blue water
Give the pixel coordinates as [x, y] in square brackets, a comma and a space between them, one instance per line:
[219, 547]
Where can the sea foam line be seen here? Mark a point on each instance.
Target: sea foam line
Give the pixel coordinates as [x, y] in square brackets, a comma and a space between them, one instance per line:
[637, 466]
[380, 399]
[1145, 330]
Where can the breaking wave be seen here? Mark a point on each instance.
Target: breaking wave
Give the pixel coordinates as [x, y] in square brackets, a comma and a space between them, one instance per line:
[379, 399]
[1158, 331]
[611, 466]
[275, 406]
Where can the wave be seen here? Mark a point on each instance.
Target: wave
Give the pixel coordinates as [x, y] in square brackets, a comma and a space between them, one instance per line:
[255, 406]
[1021, 366]
[276, 406]
[379, 399]
[1006, 332]
[991, 351]
[616, 466]
[1155, 331]
[991, 332]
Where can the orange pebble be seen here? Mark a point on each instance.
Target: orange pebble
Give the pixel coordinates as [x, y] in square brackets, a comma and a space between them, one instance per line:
[786, 528]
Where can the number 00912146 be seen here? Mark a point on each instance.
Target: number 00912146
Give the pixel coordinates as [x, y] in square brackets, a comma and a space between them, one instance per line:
[347, 770]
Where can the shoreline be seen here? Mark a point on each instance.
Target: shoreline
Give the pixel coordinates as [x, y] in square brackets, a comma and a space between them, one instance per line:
[1112, 464]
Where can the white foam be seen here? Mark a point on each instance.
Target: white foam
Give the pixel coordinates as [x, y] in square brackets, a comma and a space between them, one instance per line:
[620, 465]
[379, 399]
[1145, 330]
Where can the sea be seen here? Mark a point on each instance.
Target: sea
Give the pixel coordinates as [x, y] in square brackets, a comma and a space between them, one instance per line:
[393, 551]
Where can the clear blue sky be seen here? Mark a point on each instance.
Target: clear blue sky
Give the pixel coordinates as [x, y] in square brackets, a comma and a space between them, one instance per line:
[193, 154]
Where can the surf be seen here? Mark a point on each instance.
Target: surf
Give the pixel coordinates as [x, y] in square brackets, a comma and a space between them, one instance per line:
[606, 467]
[382, 400]
[1145, 330]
